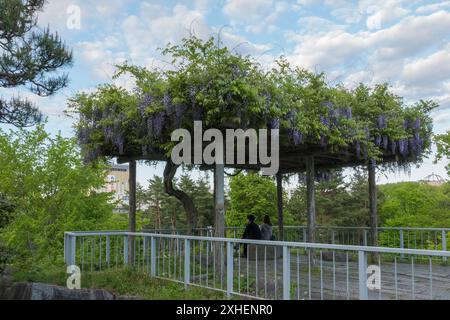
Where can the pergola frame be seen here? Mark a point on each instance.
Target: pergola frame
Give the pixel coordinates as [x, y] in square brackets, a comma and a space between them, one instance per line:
[292, 160]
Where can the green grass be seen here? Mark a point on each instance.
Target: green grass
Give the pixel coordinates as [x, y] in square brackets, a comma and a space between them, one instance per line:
[125, 282]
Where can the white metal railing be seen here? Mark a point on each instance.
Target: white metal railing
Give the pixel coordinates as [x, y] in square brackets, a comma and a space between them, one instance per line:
[394, 237]
[271, 269]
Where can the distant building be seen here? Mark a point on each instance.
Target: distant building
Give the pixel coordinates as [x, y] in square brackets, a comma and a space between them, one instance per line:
[117, 182]
[434, 180]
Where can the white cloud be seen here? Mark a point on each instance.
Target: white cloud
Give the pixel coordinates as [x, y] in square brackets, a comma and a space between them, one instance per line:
[381, 16]
[430, 8]
[408, 38]
[313, 24]
[257, 15]
[431, 70]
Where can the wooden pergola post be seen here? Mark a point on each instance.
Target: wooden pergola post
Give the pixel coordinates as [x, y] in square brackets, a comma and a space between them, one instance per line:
[132, 209]
[219, 200]
[373, 205]
[219, 225]
[280, 206]
[310, 198]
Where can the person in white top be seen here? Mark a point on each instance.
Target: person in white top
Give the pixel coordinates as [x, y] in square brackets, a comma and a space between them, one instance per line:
[266, 229]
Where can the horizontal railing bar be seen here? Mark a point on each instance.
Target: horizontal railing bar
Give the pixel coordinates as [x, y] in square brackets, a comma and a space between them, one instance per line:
[307, 245]
[317, 227]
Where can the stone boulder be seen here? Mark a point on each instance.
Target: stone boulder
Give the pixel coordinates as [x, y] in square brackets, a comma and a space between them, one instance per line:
[42, 291]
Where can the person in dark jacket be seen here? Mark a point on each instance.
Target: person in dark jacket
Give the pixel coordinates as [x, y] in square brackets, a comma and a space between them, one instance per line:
[251, 231]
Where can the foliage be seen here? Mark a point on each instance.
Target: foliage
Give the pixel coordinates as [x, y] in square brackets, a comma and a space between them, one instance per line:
[123, 282]
[338, 202]
[443, 148]
[225, 90]
[412, 204]
[166, 212]
[253, 194]
[29, 57]
[51, 190]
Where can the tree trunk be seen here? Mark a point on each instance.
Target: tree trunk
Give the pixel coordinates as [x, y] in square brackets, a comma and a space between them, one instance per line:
[132, 209]
[280, 206]
[188, 204]
[373, 205]
[311, 205]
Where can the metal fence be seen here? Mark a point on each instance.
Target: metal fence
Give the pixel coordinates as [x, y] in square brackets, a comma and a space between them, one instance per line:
[404, 238]
[271, 269]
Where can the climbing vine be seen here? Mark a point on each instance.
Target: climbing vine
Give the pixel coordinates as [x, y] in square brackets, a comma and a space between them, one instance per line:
[208, 82]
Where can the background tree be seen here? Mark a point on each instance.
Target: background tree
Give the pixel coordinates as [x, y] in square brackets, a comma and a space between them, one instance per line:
[28, 57]
[156, 195]
[166, 212]
[254, 194]
[443, 148]
[415, 204]
[204, 199]
[51, 191]
[338, 202]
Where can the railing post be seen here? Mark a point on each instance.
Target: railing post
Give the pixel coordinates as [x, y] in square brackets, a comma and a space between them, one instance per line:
[153, 256]
[125, 250]
[402, 245]
[333, 236]
[444, 242]
[365, 237]
[362, 273]
[229, 268]
[187, 262]
[144, 251]
[286, 274]
[107, 250]
[66, 254]
[71, 247]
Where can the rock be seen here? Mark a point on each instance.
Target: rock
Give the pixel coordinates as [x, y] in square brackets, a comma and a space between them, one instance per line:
[126, 297]
[42, 291]
[6, 282]
[7, 271]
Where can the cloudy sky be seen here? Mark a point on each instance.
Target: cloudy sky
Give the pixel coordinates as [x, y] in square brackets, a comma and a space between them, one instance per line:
[403, 42]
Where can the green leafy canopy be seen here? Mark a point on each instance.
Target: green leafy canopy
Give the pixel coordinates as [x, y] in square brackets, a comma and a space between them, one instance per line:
[206, 81]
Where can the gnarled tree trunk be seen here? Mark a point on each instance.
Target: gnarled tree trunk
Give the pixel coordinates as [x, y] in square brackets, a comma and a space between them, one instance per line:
[188, 204]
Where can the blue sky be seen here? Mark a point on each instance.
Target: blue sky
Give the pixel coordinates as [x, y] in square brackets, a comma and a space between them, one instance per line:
[403, 42]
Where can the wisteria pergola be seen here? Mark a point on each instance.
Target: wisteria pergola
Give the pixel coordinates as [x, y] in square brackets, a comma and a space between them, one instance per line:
[321, 126]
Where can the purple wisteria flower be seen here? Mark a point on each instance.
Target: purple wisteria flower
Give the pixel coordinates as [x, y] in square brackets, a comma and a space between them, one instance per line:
[393, 147]
[119, 142]
[275, 123]
[385, 142]
[297, 137]
[325, 121]
[416, 124]
[346, 113]
[403, 147]
[405, 124]
[378, 140]
[358, 149]
[381, 121]
[158, 124]
[146, 101]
